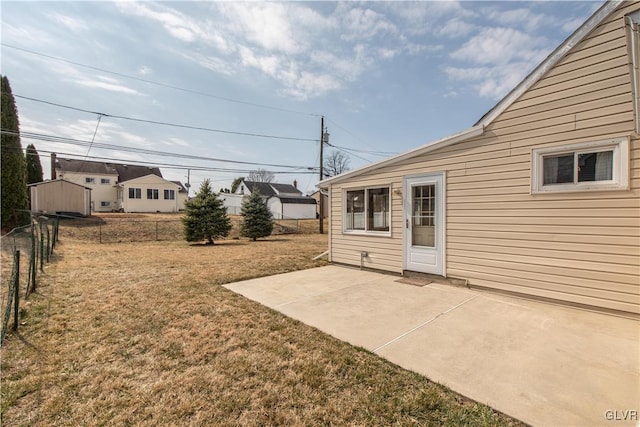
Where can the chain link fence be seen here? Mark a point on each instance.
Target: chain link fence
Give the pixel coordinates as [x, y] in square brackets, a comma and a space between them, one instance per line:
[115, 230]
[23, 253]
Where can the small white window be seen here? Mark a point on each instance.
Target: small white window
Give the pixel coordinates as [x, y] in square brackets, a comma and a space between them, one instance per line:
[368, 210]
[105, 181]
[169, 194]
[105, 204]
[591, 166]
[89, 180]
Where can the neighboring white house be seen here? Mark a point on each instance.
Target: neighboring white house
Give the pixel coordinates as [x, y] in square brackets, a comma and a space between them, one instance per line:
[110, 183]
[541, 197]
[149, 193]
[284, 201]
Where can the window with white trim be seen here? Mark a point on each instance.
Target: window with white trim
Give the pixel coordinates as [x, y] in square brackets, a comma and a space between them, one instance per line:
[152, 194]
[368, 210]
[135, 193]
[105, 181]
[89, 180]
[591, 166]
[105, 204]
[169, 194]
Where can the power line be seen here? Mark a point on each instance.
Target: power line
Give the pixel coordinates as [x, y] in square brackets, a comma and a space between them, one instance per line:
[376, 153]
[163, 165]
[164, 123]
[195, 92]
[78, 142]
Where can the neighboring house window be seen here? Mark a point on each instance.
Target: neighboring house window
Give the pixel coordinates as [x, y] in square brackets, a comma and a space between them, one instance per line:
[592, 166]
[135, 193]
[152, 193]
[105, 204]
[89, 180]
[105, 181]
[367, 210]
[169, 194]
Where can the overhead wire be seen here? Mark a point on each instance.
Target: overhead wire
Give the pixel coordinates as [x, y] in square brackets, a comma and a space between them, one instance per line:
[160, 164]
[140, 79]
[78, 142]
[115, 116]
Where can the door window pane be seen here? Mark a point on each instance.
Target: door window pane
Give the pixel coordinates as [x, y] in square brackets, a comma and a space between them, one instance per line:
[423, 216]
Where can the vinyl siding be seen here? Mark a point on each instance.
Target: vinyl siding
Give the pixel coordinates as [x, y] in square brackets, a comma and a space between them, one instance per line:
[581, 247]
[60, 196]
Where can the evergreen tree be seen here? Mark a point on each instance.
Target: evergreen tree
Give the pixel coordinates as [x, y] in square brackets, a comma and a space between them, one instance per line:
[34, 167]
[13, 169]
[205, 217]
[257, 218]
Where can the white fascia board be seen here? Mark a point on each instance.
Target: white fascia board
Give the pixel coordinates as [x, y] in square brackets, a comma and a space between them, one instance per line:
[578, 35]
[431, 146]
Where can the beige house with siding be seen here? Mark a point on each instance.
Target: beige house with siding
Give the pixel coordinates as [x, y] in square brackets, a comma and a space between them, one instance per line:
[541, 197]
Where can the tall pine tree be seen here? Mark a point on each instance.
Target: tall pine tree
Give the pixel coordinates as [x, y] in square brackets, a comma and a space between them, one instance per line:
[13, 169]
[34, 167]
[205, 216]
[257, 218]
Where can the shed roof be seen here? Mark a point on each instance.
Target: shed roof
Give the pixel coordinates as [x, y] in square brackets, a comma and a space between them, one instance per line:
[52, 181]
[303, 200]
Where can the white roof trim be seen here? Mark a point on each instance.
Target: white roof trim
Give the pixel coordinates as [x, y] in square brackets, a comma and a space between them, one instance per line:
[478, 129]
[434, 145]
[551, 60]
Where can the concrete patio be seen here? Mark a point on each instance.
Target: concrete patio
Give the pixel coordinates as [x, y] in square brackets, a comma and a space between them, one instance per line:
[541, 363]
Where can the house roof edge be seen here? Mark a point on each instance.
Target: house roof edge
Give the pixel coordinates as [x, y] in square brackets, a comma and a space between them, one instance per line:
[434, 145]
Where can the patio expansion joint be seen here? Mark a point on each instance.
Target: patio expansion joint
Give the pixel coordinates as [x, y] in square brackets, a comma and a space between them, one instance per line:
[412, 330]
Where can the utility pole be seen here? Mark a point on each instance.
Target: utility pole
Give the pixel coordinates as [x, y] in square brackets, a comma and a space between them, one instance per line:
[321, 201]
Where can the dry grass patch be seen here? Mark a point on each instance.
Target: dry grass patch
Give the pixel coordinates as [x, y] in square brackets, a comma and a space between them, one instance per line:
[140, 334]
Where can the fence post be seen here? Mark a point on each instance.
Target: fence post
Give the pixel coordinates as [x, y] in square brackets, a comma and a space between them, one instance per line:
[48, 242]
[16, 310]
[156, 230]
[41, 248]
[100, 231]
[34, 257]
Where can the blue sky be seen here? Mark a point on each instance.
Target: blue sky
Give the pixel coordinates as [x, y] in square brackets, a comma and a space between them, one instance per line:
[387, 76]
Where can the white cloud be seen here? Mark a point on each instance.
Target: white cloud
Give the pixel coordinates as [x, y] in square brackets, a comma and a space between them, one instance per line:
[501, 46]
[106, 83]
[491, 82]
[73, 24]
[522, 18]
[363, 24]
[455, 27]
[572, 25]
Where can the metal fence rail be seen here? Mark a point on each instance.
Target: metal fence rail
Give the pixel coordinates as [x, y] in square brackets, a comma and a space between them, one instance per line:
[144, 230]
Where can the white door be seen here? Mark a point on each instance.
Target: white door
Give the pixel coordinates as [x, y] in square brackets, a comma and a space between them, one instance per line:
[424, 223]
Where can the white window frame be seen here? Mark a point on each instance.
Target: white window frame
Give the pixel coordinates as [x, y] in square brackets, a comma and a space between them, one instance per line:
[105, 180]
[105, 204]
[366, 231]
[89, 180]
[620, 173]
[155, 194]
[137, 193]
[170, 193]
